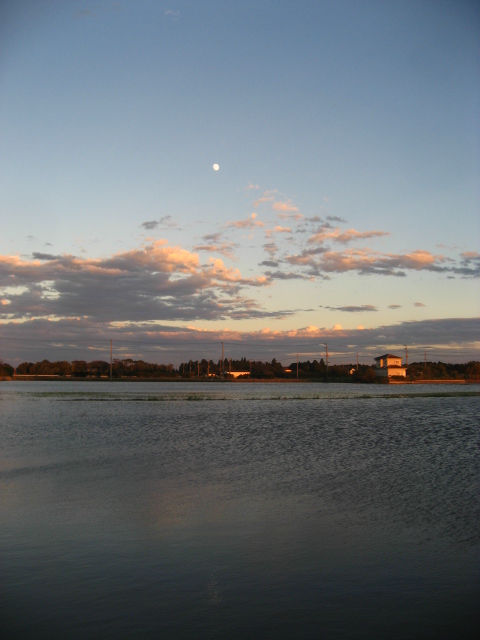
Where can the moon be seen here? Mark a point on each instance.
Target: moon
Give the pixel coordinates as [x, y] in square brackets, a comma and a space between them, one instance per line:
[216, 167]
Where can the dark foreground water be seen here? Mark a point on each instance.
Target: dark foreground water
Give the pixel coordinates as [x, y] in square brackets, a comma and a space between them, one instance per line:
[238, 511]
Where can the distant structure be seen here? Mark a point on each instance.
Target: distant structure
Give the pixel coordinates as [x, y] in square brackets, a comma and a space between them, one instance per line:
[237, 374]
[389, 365]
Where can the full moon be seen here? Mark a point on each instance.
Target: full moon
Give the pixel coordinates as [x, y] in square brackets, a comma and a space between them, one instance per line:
[216, 167]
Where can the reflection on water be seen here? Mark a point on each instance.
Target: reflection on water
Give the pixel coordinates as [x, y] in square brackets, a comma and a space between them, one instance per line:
[329, 514]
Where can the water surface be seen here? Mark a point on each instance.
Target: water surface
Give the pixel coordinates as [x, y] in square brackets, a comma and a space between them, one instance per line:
[189, 510]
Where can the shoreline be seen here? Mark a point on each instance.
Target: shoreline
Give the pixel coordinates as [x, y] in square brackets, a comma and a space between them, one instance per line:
[58, 378]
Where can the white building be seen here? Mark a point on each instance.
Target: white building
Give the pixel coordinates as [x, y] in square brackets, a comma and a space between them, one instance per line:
[389, 365]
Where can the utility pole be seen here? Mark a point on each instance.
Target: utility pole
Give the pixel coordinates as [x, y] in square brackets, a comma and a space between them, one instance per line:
[425, 359]
[326, 358]
[111, 358]
[357, 360]
[406, 355]
[297, 366]
[198, 368]
[223, 361]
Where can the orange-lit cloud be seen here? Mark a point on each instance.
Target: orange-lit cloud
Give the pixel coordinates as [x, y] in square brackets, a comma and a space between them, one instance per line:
[156, 281]
[277, 229]
[249, 223]
[344, 237]
[284, 206]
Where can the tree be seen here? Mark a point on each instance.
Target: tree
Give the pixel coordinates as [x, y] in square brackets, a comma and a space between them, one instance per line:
[5, 369]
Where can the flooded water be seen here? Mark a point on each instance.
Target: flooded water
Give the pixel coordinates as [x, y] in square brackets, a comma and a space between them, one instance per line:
[225, 510]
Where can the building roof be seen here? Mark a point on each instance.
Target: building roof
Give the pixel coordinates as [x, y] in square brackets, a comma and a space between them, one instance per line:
[387, 355]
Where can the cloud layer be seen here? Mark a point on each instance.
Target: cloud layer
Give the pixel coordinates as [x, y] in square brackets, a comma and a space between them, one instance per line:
[159, 282]
[85, 338]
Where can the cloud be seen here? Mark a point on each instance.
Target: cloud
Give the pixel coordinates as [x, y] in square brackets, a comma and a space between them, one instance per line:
[284, 206]
[154, 282]
[251, 187]
[271, 248]
[277, 229]
[368, 262]
[249, 223]
[336, 218]
[418, 304]
[44, 256]
[354, 309]
[150, 224]
[470, 265]
[283, 275]
[344, 237]
[224, 248]
[290, 216]
[448, 339]
[394, 306]
[316, 219]
[166, 221]
[268, 263]
[173, 15]
[268, 196]
[213, 237]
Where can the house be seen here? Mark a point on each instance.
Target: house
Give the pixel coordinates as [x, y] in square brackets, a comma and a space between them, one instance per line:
[389, 365]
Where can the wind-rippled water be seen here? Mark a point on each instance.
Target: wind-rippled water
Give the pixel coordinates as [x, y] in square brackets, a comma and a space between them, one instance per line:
[227, 510]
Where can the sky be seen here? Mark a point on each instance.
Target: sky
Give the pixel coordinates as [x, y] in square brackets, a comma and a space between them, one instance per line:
[345, 211]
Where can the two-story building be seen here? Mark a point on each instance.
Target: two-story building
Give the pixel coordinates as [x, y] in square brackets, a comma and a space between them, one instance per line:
[389, 365]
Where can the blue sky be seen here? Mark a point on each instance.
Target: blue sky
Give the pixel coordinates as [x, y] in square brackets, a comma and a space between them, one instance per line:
[347, 135]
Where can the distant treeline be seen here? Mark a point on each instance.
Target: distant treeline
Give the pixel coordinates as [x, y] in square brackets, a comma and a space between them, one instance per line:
[314, 370]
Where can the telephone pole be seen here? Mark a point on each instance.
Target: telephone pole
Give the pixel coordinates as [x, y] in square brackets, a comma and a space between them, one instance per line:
[406, 355]
[297, 366]
[111, 358]
[326, 358]
[223, 361]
